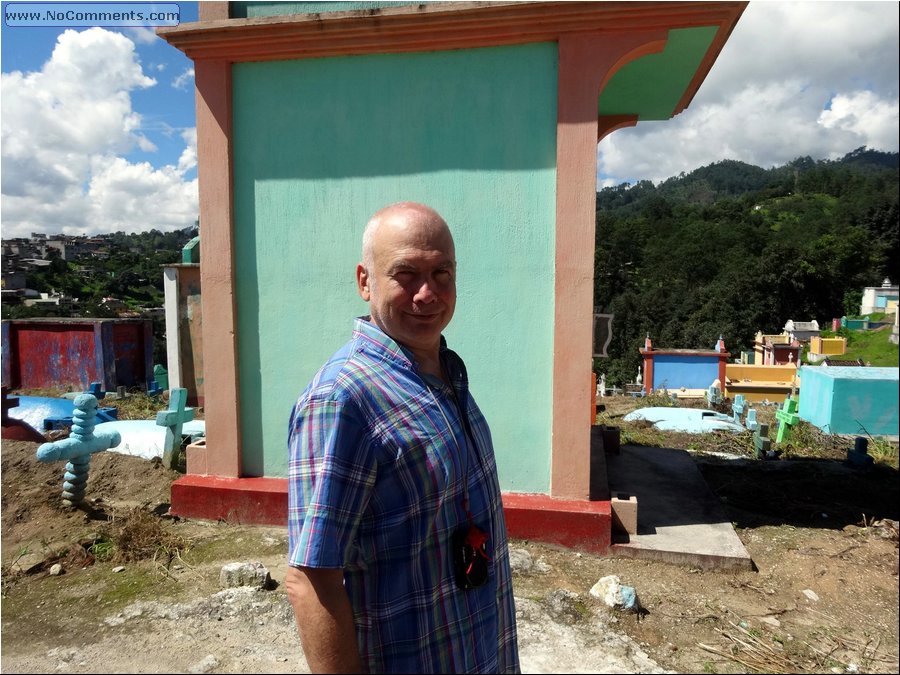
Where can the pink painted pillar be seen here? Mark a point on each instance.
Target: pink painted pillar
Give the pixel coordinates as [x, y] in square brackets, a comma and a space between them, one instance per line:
[586, 63]
[222, 454]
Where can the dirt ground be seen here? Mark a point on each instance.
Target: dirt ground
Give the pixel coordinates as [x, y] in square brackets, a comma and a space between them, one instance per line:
[824, 597]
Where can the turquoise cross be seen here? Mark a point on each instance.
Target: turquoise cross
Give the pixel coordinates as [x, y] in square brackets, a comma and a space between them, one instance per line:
[173, 419]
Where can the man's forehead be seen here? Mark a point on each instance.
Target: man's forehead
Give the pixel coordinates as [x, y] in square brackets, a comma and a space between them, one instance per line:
[415, 257]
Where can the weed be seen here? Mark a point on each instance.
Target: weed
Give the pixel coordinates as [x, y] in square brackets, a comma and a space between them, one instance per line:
[139, 535]
[883, 451]
[658, 398]
[8, 574]
[807, 440]
[709, 667]
[102, 549]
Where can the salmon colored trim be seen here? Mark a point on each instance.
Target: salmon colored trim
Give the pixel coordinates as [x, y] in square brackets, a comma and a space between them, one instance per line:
[213, 11]
[586, 63]
[606, 124]
[222, 412]
[648, 371]
[438, 26]
[712, 53]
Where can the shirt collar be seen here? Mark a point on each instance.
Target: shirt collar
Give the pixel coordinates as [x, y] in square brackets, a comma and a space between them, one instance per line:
[377, 341]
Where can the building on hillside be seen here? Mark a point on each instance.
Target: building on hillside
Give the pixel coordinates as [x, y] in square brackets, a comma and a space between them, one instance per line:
[802, 331]
[775, 350]
[880, 299]
[301, 139]
[12, 281]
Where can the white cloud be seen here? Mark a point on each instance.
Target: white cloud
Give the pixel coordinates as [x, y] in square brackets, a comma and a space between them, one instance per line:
[65, 129]
[188, 159]
[794, 79]
[122, 194]
[866, 115]
[185, 80]
[142, 35]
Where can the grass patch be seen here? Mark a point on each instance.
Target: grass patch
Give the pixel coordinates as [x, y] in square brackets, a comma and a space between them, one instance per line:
[873, 347]
[139, 535]
[884, 452]
[226, 546]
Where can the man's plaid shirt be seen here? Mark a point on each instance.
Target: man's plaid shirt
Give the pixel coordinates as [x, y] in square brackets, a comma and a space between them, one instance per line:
[378, 458]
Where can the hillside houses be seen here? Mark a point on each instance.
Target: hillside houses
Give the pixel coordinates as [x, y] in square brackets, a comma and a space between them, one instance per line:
[118, 274]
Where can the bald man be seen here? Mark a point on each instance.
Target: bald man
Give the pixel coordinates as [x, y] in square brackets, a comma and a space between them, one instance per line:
[398, 560]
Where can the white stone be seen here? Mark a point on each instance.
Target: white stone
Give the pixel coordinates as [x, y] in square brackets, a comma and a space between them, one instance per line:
[56, 570]
[205, 665]
[811, 595]
[252, 574]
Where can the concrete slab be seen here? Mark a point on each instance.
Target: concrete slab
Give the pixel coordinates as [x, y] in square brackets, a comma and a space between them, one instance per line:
[679, 519]
[33, 410]
[145, 438]
[686, 420]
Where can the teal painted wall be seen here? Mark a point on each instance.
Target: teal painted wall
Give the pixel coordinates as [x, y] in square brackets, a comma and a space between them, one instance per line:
[320, 145]
[848, 400]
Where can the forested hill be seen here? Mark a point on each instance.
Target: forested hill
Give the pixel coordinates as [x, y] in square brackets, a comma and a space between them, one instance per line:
[731, 249]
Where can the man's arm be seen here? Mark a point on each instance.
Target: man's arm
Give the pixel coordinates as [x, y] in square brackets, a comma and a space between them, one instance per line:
[325, 619]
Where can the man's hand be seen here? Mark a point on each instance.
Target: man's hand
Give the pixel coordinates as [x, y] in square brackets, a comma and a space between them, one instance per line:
[324, 618]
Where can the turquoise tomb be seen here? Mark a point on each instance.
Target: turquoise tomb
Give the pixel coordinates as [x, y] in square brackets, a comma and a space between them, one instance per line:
[848, 400]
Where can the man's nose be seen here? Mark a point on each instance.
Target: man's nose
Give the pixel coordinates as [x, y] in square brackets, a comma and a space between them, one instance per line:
[425, 293]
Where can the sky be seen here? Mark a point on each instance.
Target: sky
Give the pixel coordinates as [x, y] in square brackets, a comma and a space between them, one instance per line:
[97, 125]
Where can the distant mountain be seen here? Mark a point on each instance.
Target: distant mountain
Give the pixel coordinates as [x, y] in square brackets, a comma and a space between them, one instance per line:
[731, 249]
[732, 178]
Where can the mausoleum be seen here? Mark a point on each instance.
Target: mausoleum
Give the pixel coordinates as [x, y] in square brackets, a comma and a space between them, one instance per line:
[312, 115]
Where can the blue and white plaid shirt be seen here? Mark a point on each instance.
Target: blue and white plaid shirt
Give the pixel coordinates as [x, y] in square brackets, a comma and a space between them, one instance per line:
[378, 459]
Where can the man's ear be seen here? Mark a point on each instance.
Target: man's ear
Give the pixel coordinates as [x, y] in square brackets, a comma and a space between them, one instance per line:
[362, 282]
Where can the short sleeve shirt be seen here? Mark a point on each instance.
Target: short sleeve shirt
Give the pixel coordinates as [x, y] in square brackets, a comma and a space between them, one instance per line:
[378, 461]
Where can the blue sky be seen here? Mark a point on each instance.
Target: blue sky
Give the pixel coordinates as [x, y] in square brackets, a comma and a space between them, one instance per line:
[98, 126]
[98, 130]
[163, 107]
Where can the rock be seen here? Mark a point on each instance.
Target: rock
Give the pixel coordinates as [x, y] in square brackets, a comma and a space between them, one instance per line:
[205, 665]
[614, 593]
[56, 569]
[811, 595]
[253, 574]
[27, 563]
[770, 620]
[520, 561]
[120, 568]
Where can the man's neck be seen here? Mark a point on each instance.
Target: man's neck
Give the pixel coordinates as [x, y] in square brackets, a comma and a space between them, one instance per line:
[429, 363]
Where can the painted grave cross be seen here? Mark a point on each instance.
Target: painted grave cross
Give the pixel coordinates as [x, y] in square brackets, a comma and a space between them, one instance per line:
[738, 408]
[761, 442]
[173, 419]
[787, 418]
[79, 447]
[751, 423]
